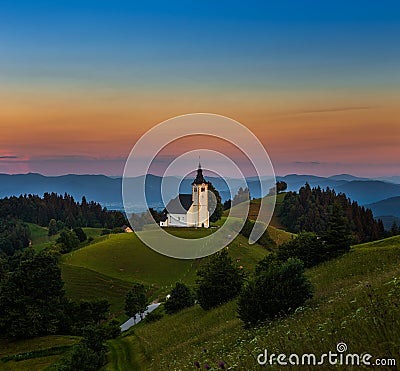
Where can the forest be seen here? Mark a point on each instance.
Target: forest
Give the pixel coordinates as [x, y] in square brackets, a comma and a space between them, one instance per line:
[309, 211]
[40, 210]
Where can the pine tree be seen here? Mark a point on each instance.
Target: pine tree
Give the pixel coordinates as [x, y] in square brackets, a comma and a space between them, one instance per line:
[337, 237]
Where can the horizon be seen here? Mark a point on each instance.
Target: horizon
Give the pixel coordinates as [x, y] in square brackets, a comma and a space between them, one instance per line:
[207, 175]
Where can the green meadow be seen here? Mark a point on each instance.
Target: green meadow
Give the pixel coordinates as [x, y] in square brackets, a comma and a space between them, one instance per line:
[356, 301]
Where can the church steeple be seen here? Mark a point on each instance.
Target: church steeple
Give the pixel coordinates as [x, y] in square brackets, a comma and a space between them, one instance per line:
[199, 178]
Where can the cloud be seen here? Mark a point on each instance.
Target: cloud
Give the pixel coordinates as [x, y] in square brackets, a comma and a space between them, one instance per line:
[307, 163]
[334, 109]
[8, 157]
[74, 158]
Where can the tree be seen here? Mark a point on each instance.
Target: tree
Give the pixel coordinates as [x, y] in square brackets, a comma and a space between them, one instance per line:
[227, 204]
[219, 281]
[52, 228]
[215, 205]
[76, 316]
[135, 300]
[180, 298]
[90, 354]
[31, 296]
[281, 186]
[68, 241]
[394, 230]
[277, 288]
[80, 234]
[307, 246]
[337, 236]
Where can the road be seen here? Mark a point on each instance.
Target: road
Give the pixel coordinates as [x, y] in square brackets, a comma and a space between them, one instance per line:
[134, 320]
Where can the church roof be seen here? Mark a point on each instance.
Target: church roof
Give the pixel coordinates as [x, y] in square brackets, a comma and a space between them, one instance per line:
[199, 178]
[180, 204]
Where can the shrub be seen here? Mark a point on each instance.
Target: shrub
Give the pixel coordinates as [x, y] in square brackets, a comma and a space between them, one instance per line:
[219, 281]
[180, 298]
[80, 234]
[277, 288]
[307, 247]
[153, 317]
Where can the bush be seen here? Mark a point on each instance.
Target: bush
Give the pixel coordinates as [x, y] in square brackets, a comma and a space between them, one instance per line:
[111, 329]
[68, 241]
[180, 298]
[277, 288]
[153, 317]
[219, 281]
[135, 300]
[307, 247]
[80, 234]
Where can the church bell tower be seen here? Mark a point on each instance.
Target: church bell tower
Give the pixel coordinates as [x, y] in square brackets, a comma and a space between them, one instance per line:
[200, 200]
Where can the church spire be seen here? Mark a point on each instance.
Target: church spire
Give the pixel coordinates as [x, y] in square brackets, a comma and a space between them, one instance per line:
[199, 178]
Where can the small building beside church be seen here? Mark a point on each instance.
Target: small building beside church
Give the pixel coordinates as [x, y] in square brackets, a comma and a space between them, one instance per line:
[189, 210]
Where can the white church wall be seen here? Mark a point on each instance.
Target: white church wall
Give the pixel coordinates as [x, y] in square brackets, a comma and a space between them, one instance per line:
[177, 220]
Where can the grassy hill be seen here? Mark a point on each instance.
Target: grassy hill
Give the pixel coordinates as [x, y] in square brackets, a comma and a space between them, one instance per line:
[277, 233]
[356, 301]
[107, 268]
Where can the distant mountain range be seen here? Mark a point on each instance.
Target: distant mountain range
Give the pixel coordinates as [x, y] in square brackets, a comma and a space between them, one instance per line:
[381, 195]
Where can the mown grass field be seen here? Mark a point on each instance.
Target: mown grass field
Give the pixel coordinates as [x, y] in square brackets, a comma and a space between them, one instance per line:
[356, 301]
[125, 257]
[85, 284]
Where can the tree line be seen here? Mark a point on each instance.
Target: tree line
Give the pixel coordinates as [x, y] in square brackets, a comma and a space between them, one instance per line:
[40, 210]
[309, 211]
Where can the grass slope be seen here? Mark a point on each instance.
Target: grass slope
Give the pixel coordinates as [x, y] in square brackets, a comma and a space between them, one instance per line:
[32, 345]
[255, 207]
[126, 258]
[39, 237]
[105, 270]
[356, 301]
[85, 284]
[274, 228]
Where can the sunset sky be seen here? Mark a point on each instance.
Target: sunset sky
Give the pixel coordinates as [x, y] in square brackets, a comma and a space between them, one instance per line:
[318, 82]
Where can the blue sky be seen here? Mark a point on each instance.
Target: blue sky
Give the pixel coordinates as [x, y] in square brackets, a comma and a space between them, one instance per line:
[77, 68]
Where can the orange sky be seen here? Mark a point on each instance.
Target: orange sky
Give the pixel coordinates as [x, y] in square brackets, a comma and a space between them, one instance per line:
[316, 132]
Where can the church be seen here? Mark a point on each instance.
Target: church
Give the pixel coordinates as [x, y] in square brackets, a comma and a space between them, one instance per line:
[189, 210]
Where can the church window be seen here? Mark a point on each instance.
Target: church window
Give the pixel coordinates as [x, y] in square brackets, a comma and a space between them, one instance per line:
[203, 189]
